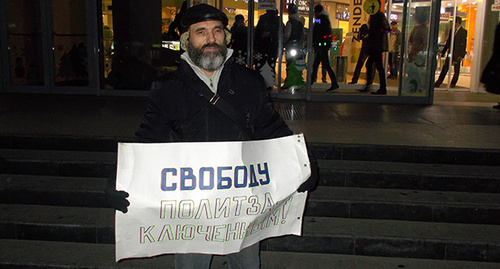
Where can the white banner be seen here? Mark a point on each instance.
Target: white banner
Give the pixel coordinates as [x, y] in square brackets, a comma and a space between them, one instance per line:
[209, 197]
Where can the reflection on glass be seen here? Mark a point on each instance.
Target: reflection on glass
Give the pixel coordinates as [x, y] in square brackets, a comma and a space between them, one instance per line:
[70, 43]
[266, 45]
[239, 40]
[293, 43]
[135, 51]
[106, 57]
[416, 71]
[25, 42]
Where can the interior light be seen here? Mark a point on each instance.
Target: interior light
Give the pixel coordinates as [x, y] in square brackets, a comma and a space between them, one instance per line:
[449, 4]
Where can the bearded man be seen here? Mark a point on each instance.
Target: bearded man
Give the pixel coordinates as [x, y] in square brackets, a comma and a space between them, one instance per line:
[184, 107]
[178, 112]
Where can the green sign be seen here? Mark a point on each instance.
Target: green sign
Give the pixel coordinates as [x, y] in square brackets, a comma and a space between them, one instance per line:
[371, 6]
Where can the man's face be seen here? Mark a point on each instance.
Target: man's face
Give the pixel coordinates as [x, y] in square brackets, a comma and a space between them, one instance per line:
[207, 44]
[394, 27]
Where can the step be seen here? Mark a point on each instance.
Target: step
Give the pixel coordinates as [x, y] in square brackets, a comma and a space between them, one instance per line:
[67, 143]
[52, 190]
[57, 163]
[429, 206]
[44, 254]
[470, 178]
[415, 176]
[362, 152]
[57, 223]
[390, 238]
[408, 154]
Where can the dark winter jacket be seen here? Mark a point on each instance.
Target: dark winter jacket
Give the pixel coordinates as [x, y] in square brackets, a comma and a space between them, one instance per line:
[491, 73]
[239, 37]
[296, 33]
[322, 31]
[459, 45]
[377, 39]
[267, 33]
[177, 113]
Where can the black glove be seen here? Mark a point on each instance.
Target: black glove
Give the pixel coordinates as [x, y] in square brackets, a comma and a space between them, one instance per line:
[116, 199]
[312, 182]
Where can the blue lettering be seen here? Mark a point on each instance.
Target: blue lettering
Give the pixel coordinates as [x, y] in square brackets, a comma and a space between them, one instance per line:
[164, 186]
[253, 177]
[250, 176]
[187, 175]
[210, 171]
[223, 182]
[237, 183]
[265, 172]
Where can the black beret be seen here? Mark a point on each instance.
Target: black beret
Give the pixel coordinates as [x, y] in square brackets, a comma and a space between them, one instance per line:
[202, 12]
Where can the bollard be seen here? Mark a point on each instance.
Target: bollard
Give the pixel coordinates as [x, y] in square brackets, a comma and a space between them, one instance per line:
[341, 68]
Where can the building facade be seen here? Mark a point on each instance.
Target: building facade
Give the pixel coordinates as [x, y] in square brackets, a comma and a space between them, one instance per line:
[118, 47]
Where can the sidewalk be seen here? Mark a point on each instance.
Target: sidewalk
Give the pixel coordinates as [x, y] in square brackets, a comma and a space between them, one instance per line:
[460, 120]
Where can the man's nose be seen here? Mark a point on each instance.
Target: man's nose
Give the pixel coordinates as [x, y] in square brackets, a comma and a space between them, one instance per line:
[210, 37]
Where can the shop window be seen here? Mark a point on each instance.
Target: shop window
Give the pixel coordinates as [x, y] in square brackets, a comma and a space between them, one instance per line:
[70, 43]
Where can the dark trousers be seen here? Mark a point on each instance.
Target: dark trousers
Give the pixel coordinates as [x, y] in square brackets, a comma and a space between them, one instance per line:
[376, 59]
[444, 71]
[321, 56]
[393, 63]
[363, 54]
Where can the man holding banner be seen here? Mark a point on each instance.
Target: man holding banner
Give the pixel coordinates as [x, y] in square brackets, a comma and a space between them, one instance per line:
[209, 98]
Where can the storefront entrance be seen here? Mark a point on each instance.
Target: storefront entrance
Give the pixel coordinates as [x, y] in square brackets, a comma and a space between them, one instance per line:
[118, 47]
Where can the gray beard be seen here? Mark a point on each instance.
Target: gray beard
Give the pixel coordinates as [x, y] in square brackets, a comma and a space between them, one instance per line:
[210, 60]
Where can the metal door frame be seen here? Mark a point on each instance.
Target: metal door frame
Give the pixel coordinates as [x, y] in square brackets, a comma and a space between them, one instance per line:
[4, 64]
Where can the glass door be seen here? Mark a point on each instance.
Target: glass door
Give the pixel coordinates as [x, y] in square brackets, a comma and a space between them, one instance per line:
[69, 37]
[456, 45]
[419, 35]
[23, 45]
[47, 46]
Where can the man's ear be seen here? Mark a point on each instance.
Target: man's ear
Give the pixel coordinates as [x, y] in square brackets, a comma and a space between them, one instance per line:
[228, 36]
[184, 40]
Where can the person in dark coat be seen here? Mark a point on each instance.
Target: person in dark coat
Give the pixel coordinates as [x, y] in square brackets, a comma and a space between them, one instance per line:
[173, 28]
[322, 42]
[239, 38]
[418, 39]
[377, 44]
[177, 113]
[363, 54]
[267, 39]
[294, 33]
[459, 51]
[491, 73]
